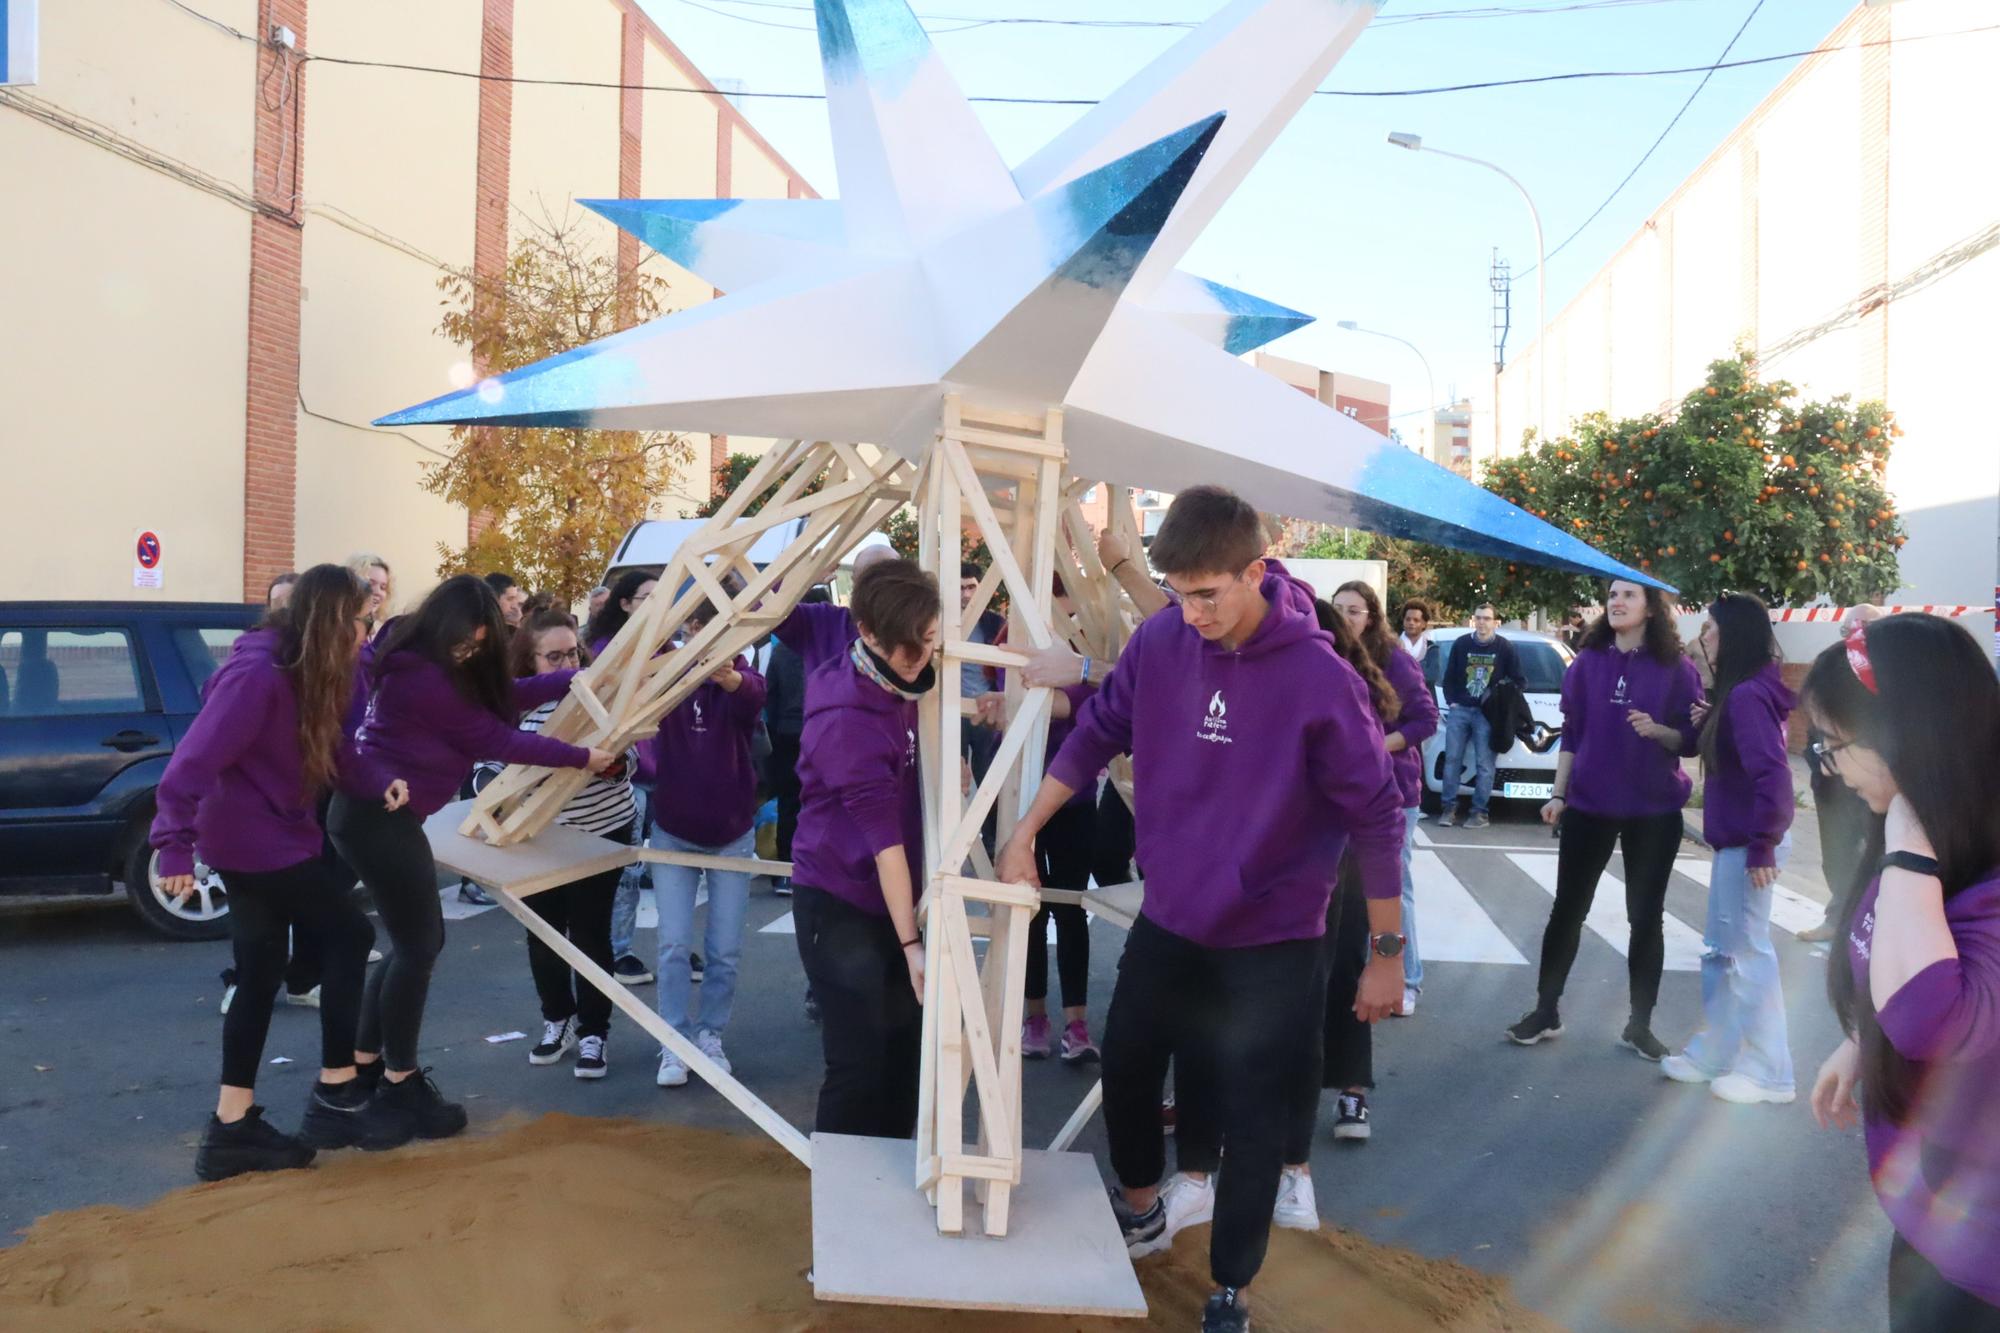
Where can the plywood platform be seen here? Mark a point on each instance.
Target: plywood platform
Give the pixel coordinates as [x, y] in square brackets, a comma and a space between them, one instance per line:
[557, 855]
[1119, 903]
[876, 1242]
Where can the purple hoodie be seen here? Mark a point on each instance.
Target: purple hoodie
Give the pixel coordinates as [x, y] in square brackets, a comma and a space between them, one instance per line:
[1938, 1173]
[235, 787]
[419, 728]
[1748, 801]
[861, 786]
[819, 632]
[1254, 769]
[705, 791]
[1617, 773]
[1418, 722]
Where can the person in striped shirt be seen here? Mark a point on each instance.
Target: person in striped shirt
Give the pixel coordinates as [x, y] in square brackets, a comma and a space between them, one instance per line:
[575, 1014]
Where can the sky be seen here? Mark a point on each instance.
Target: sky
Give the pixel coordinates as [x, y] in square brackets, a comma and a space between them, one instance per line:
[1334, 221]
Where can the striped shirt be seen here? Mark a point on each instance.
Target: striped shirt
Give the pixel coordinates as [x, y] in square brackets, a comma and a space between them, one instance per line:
[605, 805]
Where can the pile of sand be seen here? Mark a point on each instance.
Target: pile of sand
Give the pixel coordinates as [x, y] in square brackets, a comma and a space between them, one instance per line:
[600, 1224]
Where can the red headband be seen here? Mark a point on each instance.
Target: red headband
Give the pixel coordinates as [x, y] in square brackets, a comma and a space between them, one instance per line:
[1857, 656]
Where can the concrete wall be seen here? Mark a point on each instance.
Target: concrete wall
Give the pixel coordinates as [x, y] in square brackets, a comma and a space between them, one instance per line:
[1856, 174]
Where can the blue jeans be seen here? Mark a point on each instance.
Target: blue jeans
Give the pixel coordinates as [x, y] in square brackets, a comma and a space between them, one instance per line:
[722, 945]
[1467, 724]
[625, 906]
[1742, 1005]
[1413, 966]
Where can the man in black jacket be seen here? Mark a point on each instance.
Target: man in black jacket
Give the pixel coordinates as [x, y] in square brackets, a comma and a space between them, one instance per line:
[1476, 662]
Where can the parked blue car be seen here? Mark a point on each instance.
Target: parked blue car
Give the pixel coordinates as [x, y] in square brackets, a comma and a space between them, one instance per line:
[93, 698]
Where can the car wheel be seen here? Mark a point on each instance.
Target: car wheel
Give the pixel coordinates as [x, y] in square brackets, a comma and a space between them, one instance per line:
[203, 916]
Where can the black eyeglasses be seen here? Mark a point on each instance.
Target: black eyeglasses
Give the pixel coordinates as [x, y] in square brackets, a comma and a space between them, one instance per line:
[573, 656]
[1821, 754]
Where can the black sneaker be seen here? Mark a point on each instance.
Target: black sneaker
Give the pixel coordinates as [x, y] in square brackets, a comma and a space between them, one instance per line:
[350, 1115]
[1536, 1025]
[558, 1039]
[1227, 1311]
[418, 1097]
[1353, 1122]
[249, 1144]
[590, 1057]
[694, 966]
[1639, 1039]
[367, 1077]
[1138, 1229]
[631, 971]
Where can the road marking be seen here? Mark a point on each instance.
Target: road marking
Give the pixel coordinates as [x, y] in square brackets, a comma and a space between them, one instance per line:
[1608, 921]
[1451, 925]
[784, 925]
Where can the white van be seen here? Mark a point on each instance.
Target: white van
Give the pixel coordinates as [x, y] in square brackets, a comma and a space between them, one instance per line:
[651, 544]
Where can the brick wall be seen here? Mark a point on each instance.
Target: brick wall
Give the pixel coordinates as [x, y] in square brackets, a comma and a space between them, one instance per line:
[631, 109]
[496, 120]
[271, 391]
[725, 184]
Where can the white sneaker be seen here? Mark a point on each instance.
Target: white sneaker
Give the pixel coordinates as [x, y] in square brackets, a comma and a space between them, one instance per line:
[1297, 1207]
[304, 999]
[590, 1062]
[673, 1073]
[1683, 1070]
[1746, 1092]
[1409, 1005]
[710, 1045]
[374, 955]
[558, 1039]
[1188, 1203]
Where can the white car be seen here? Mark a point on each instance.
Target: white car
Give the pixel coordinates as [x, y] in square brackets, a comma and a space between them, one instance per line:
[1526, 771]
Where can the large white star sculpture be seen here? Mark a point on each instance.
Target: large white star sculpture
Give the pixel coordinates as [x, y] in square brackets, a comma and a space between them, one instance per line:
[940, 271]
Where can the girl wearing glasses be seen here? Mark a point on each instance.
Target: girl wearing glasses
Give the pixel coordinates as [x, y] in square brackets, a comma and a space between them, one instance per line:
[439, 702]
[1742, 1051]
[1910, 711]
[575, 1014]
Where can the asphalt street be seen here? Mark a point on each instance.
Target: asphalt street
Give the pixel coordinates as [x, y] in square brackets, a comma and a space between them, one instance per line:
[1612, 1198]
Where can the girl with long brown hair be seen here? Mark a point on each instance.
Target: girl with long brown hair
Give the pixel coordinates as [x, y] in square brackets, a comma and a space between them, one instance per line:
[241, 791]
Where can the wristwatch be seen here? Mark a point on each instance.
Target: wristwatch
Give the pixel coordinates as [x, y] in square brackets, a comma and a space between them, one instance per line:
[1386, 945]
[1910, 861]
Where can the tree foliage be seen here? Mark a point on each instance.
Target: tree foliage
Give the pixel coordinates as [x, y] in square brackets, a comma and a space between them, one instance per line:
[556, 500]
[734, 471]
[1743, 488]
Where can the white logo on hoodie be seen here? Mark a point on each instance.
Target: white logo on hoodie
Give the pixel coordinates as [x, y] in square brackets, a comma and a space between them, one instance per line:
[699, 723]
[1216, 723]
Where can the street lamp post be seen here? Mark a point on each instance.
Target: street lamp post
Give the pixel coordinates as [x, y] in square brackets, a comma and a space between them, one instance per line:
[1430, 384]
[1415, 144]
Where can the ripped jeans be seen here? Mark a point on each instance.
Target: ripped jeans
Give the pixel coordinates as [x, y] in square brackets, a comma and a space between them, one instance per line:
[1742, 1004]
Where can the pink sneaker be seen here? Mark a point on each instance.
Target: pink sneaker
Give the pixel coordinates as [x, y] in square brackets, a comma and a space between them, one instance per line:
[1035, 1037]
[1077, 1047]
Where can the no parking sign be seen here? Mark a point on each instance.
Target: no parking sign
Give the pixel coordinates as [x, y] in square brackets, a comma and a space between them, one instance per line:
[146, 555]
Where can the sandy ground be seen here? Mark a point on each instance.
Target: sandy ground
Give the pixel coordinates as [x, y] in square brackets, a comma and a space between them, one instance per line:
[566, 1222]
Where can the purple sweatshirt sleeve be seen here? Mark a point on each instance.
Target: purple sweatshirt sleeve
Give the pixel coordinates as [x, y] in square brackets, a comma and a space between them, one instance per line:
[231, 718]
[865, 775]
[531, 692]
[473, 731]
[1950, 1010]
[1758, 729]
[1418, 721]
[748, 701]
[1351, 769]
[1103, 724]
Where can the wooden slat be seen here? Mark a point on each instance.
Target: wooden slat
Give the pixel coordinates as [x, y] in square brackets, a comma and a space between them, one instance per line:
[1080, 1117]
[749, 865]
[992, 891]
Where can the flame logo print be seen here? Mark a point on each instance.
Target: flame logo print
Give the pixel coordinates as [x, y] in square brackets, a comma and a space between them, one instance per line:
[1216, 708]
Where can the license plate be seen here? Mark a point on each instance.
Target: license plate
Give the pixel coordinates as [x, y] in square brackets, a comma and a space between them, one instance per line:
[1528, 791]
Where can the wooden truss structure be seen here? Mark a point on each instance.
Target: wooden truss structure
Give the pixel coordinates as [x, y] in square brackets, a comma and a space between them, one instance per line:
[1002, 477]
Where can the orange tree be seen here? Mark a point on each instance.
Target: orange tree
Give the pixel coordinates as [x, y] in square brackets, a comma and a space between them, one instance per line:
[732, 474]
[1744, 488]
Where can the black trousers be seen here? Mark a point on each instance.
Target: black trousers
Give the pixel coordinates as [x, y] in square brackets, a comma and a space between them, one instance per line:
[1116, 840]
[1064, 850]
[784, 770]
[1348, 1044]
[389, 850]
[1922, 1300]
[580, 910]
[265, 907]
[1650, 843]
[1232, 1023]
[871, 1023]
[307, 965]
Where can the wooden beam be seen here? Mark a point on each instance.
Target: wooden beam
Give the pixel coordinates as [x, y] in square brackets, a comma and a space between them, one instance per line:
[749, 865]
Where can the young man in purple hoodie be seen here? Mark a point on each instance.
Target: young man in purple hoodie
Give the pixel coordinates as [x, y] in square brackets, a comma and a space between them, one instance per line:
[859, 851]
[704, 801]
[1259, 759]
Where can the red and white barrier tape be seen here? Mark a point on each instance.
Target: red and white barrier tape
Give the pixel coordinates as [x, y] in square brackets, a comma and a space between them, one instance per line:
[1831, 613]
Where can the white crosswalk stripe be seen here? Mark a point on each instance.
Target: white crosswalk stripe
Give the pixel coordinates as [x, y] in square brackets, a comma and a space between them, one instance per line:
[1451, 925]
[1607, 919]
[784, 925]
[1791, 910]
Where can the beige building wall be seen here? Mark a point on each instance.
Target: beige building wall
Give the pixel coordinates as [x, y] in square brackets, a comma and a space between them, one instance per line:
[1861, 172]
[565, 141]
[125, 290]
